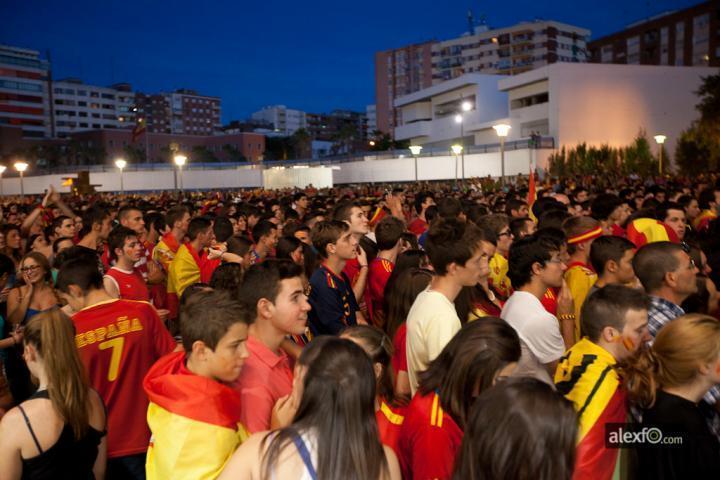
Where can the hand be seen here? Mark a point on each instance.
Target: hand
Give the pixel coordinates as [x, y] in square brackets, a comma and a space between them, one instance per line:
[17, 335]
[46, 198]
[155, 273]
[54, 196]
[566, 305]
[214, 253]
[361, 257]
[284, 411]
[4, 294]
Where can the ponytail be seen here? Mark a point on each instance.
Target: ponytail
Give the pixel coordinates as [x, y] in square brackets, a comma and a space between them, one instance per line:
[52, 334]
[639, 374]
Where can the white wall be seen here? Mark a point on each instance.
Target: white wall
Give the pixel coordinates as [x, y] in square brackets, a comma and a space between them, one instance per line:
[390, 170]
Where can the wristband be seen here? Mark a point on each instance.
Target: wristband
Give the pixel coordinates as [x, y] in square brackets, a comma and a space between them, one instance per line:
[567, 316]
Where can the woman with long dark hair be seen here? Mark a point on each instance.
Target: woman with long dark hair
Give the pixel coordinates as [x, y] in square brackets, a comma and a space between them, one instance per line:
[520, 429]
[290, 248]
[334, 434]
[13, 243]
[400, 297]
[389, 408]
[667, 381]
[477, 356]
[60, 430]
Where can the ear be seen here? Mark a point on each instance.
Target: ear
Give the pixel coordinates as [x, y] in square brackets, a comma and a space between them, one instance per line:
[75, 291]
[611, 266]
[200, 350]
[536, 268]
[377, 367]
[265, 308]
[452, 268]
[670, 279]
[609, 334]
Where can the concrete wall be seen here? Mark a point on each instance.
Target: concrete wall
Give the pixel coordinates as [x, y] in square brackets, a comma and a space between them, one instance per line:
[390, 170]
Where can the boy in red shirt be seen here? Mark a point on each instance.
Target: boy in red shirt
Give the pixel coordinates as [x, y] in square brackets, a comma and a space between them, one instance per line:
[118, 341]
[388, 235]
[124, 280]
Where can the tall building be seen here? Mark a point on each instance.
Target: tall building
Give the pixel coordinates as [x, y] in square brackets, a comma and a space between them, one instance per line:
[285, 121]
[78, 107]
[503, 51]
[371, 114]
[689, 37]
[24, 99]
[181, 112]
[399, 72]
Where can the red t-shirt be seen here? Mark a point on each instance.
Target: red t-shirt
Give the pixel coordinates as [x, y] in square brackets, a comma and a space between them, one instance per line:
[550, 300]
[118, 342]
[399, 359]
[131, 285]
[418, 226]
[390, 422]
[429, 440]
[378, 275]
[352, 270]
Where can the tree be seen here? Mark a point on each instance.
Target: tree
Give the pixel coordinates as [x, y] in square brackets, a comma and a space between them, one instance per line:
[698, 148]
[200, 154]
[301, 143]
[233, 153]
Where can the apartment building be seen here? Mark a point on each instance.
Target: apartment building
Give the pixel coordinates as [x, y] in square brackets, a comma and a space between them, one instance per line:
[24, 99]
[689, 37]
[285, 121]
[182, 112]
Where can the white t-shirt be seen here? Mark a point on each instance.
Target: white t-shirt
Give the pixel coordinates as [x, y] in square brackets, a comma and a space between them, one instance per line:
[539, 333]
[431, 323]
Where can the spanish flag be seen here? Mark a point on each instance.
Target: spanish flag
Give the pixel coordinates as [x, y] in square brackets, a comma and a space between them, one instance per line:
[194, 420]
[703, 220]
[532, 195]
[498, 279]
[642, 231]
[186, 268]
[586, 376]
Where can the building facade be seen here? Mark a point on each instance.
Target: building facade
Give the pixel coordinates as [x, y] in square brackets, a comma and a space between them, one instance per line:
[689, 37]
[285, 121]
[183, 112]
[79, 107]
[24, 96]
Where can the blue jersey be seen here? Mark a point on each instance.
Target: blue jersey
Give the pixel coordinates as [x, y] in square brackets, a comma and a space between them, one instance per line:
[333, 302]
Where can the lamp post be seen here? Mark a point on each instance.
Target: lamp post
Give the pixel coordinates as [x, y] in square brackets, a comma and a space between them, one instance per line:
[460, 118]
[21, 167]
[180, 161]
[502, 130]
[2, 170]
[457, 150]
[415, 150]
[121, 164]
[660, 139]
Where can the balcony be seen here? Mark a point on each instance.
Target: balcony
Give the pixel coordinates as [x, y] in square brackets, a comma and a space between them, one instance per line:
[414, 130]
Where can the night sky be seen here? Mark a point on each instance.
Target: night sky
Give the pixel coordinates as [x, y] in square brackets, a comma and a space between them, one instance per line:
[314, 56]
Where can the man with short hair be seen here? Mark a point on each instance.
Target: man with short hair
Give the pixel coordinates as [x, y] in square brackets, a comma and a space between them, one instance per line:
[178, 219]
[388, 234]
[333, 301]
[516, 208]
[96, 228]
[274, 292]
[455, 251]
[535, 265]
[423, 201]
[672, 215]
[300, 204]
[355, 268]
[123, 280]
[187, 441]
[611, 257]
[614, 322]
[499, 224]
[668, 275]
[708, 201]
[118, 341]
[62, 226]
[265, 235]
[522, 227]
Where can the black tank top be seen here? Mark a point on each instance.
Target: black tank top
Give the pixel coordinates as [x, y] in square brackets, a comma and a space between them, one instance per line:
[68, 458]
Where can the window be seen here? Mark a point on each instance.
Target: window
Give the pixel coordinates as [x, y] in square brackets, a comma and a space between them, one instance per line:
[94, 94]
[82, 93]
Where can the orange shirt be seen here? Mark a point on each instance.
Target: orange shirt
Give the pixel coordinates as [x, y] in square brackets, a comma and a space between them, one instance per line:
[118, 341]
[390, 422]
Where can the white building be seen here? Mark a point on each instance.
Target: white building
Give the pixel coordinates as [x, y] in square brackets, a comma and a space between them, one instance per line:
[78, 107]
[572, 103]
[430, 117]
[285, 120]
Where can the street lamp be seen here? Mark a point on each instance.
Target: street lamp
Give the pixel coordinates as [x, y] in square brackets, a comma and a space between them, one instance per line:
[121, 163]
[457, 150]
[415, 150]
[2, 170]
[660, 139]
[21, 167]
[502, 130]
[180, 161]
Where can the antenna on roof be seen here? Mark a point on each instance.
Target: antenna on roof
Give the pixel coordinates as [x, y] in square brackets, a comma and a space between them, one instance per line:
[471, 24]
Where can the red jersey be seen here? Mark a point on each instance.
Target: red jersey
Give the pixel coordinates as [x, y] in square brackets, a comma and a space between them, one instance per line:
[352, 270]
[131, 285]
[418, 226]
[550, 300]
[429, 440]
[399, 359]
[378, 275]
[390, 422]
[118, 341]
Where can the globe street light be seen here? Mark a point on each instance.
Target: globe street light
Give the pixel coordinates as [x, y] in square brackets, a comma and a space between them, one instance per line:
[180, 161]
[415, 150]
[660, 139]
[457, 150]
[21, 167]
[2, 170]
[502, 130]
[121, 163]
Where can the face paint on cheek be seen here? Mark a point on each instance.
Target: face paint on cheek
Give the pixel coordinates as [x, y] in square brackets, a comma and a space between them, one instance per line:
[628, 343]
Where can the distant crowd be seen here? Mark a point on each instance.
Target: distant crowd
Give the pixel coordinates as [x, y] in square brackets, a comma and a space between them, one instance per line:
[555, 329]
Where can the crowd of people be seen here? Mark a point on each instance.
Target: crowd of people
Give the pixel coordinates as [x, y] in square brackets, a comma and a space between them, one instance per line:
[562, 330]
